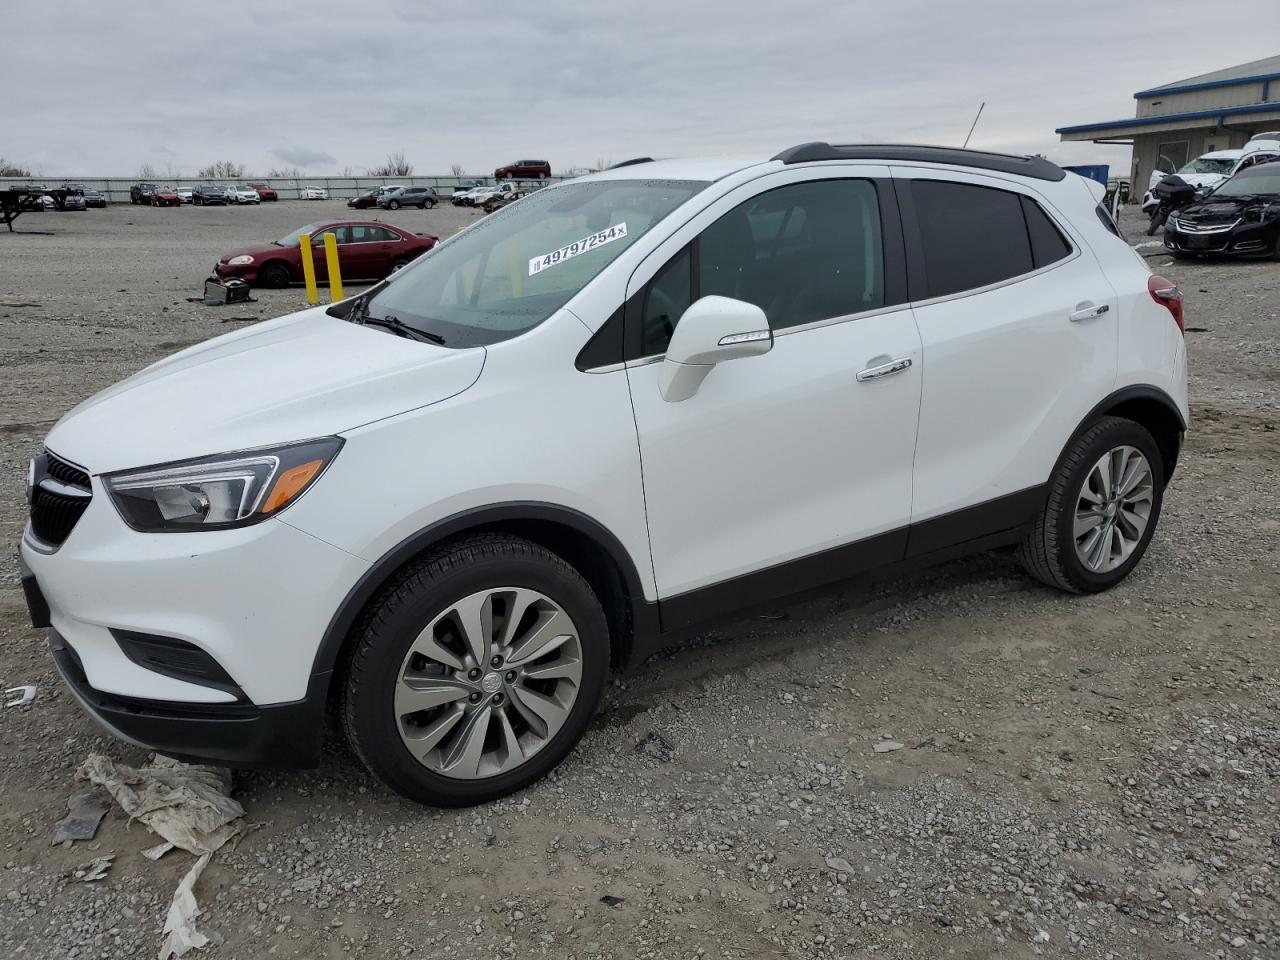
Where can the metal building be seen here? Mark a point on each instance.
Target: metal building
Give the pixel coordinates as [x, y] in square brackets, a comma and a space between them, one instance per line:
[1182, 120]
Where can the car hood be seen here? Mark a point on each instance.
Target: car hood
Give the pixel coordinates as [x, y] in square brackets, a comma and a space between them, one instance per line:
[1226, 209]
[259, 252]
[1195, 179]
[301, 376]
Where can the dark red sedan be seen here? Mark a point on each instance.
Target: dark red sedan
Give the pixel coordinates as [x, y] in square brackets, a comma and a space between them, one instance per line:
[366, 251]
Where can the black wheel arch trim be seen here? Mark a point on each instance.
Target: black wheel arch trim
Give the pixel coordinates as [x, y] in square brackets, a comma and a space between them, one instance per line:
[1136, 391]
[1126, 394]
[344, 618]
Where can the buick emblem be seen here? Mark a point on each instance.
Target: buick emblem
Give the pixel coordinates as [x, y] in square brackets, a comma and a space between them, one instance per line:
[491, 683]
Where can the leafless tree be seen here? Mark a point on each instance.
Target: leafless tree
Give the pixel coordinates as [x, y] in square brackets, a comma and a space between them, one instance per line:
[284, 173]
[602, 164]
[456, 169]
[347, 171]
[148, 172]
[396, 166]
[223, 169]
[8, 169]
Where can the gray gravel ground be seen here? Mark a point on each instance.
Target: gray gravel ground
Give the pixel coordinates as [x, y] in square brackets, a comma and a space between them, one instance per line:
[1093, 777]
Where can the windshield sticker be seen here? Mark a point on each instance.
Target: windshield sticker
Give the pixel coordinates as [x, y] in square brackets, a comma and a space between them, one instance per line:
[546, 260]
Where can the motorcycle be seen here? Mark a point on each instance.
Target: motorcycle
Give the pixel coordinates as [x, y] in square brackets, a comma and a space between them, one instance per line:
[1168, 196]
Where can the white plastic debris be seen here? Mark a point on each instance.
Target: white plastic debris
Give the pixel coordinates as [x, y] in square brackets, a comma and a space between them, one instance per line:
[180, 933]
[19, 696]
[187, 805]
[840, 864]
[190, 807]
[887, 746]
[95, 869]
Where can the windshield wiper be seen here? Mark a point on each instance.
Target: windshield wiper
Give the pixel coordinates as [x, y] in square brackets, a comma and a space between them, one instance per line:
[395, 325]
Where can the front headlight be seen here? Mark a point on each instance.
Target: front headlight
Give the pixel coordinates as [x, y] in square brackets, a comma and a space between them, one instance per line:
[241, 260]
[214, 493]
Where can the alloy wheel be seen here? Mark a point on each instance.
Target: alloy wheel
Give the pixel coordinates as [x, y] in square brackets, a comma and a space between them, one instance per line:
[1113, 509]
[488, 683]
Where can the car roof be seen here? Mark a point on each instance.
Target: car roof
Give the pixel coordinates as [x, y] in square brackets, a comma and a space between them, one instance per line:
[1222, 155]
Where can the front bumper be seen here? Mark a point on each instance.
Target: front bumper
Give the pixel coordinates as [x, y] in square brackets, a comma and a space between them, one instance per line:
[237, 735]
[248, 272]
[255, 600]
[1244, 240]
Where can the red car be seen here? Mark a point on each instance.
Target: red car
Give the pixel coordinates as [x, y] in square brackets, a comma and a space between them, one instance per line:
[524, 170]
[164, 197]
[366, 251]
[265, 193]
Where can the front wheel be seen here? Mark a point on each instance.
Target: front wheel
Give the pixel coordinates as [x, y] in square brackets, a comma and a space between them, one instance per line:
[275, 275]
[476, 672]
[1102, 508]
[393, 205]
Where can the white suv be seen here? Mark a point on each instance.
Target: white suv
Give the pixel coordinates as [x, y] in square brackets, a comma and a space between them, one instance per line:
[618, 408]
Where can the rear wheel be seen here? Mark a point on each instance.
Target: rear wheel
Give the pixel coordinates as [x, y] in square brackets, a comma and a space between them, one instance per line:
[476, 672]
[393, 205]
[275, 275]
[1103, 505]
[399, 264]
[428, 204]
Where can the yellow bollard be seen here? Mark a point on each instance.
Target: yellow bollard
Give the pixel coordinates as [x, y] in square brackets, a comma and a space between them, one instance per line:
[335, 274]
[308, 268]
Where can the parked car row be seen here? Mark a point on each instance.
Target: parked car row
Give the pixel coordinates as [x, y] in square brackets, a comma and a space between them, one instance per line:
[68, 196]
[204, 194]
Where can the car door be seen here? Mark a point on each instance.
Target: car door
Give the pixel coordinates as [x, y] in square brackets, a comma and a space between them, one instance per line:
[1019, 330]
[342, 234]
[792, 468]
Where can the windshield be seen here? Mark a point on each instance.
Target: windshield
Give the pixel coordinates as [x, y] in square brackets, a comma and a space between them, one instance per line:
[513, 269]
[1260, 181]
[291, 239]
[1205, 165]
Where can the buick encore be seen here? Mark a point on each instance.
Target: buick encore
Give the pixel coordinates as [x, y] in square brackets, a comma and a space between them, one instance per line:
[617, 409]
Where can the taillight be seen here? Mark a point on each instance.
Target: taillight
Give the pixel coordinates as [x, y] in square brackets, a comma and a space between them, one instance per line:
[1166, 293]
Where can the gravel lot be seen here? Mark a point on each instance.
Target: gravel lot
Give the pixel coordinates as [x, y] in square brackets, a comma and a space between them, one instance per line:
[1094, 777]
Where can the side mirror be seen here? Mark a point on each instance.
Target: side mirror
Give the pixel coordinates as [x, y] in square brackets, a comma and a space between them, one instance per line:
[711, 331]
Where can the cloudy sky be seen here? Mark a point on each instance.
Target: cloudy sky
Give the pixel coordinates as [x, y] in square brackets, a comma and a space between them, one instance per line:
[102, 88]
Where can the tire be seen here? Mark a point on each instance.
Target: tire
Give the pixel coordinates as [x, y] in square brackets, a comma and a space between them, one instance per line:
[399, 264]
[1051, 553]
[393, 205]
[425, 596]
[275, 275]
[428, 204]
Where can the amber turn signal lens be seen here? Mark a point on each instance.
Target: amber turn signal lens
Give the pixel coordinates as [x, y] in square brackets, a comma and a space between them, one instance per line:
[291, 483]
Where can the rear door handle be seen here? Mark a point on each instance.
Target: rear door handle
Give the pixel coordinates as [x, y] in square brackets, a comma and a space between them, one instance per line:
[884, 369]
[1087, 311]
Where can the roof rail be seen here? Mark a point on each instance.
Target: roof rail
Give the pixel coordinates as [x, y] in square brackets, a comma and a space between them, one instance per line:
[1037, 167]
[630, 163]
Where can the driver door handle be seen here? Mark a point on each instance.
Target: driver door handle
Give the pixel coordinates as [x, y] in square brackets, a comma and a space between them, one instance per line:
[884, 369]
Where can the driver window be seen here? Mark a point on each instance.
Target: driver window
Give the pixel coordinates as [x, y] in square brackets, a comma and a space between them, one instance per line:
[801, 253]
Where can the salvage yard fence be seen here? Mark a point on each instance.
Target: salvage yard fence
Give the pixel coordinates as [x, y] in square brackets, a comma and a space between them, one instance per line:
[116, 189]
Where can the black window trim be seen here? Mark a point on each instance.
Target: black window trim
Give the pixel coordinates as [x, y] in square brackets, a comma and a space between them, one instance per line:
[917, 277]
[895, 274]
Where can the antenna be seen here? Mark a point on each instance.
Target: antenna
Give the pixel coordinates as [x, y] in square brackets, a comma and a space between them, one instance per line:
[975, 123]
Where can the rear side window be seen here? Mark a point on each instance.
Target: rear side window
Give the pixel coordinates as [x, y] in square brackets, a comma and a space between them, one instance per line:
[1047, 243]
[971, 236]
